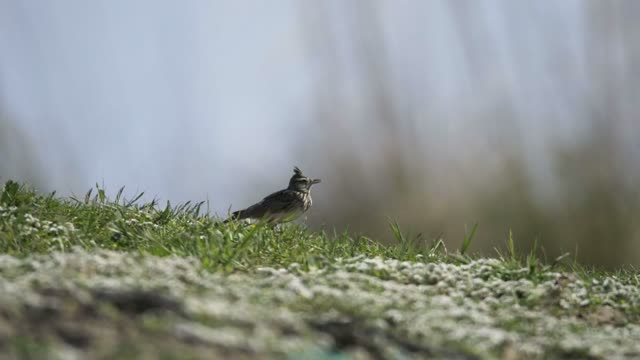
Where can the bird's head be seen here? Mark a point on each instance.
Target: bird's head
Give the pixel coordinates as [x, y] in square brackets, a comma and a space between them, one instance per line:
[299, 182]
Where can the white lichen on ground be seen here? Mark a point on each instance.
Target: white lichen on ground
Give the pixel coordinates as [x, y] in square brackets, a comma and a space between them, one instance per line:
[95, 304]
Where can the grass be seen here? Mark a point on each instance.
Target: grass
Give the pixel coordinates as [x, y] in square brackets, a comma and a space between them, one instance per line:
[34, 223]
[78, 275]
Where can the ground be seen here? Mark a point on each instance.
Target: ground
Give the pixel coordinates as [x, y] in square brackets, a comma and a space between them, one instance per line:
[100, 278]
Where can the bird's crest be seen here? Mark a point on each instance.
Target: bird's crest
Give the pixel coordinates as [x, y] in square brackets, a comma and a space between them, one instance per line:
[297, 171]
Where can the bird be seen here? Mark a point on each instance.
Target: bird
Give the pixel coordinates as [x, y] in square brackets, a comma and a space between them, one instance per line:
[281, 206]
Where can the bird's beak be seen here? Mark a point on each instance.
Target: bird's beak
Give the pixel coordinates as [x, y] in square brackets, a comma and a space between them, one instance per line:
[315, 181]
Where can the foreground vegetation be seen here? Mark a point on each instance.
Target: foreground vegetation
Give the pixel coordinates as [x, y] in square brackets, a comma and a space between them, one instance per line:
[101, 278]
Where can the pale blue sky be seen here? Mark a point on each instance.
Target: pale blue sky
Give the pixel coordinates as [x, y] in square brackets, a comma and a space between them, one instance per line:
[196, 99]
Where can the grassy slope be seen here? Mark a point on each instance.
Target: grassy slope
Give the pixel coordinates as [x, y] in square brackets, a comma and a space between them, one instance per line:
[115, 278]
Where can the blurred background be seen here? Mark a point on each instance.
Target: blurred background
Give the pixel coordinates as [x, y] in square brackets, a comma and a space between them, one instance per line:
[516, 115]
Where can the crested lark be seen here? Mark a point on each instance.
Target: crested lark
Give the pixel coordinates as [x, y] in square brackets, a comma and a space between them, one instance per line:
[281, 206]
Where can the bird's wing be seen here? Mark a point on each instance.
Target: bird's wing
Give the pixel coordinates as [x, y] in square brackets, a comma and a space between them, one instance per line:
[278, 202]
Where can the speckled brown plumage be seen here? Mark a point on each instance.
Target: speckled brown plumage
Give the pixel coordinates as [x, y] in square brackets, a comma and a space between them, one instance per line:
[284, 205]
